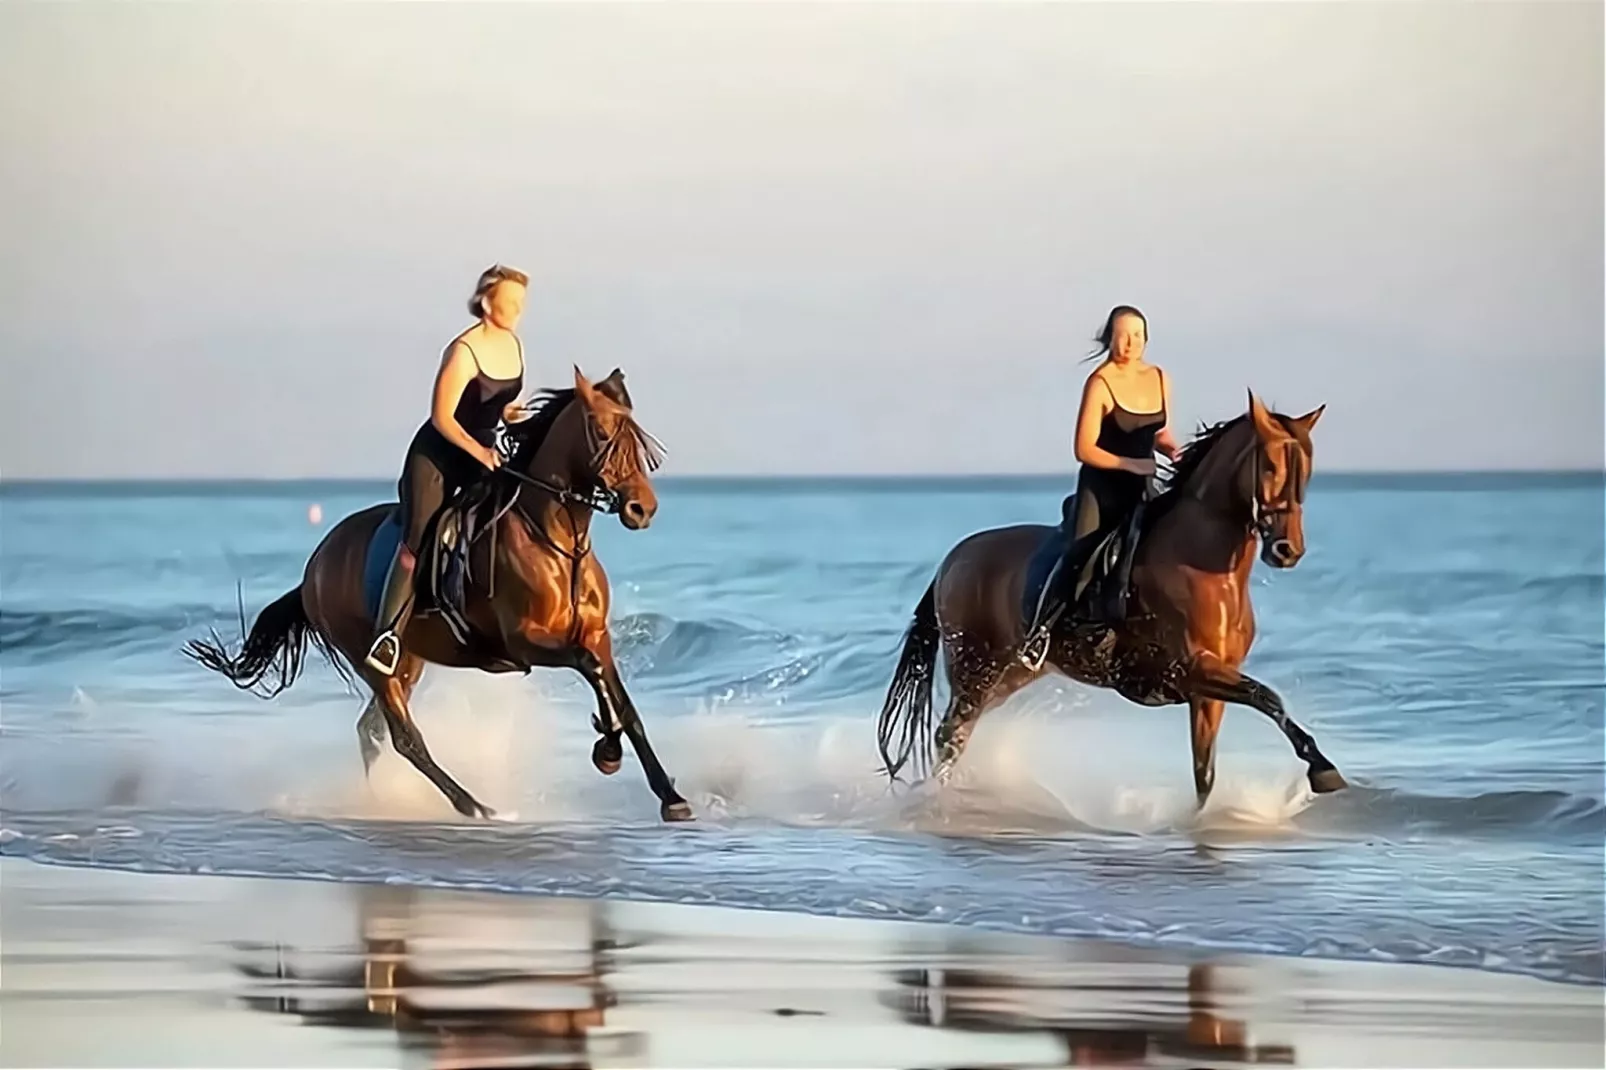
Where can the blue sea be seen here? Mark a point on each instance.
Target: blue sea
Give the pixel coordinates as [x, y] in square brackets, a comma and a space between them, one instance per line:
[1443, 641]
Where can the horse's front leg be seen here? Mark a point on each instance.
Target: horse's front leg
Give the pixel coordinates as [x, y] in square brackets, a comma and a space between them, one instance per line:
[607, 754]
[1212, 679]
[674, 807]
[1205, 714]
[617, 711]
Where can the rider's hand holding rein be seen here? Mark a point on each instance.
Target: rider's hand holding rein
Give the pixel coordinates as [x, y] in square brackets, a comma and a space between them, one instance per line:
[458, 369]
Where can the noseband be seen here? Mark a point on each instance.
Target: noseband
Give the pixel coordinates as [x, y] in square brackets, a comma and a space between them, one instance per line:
[1263, 515]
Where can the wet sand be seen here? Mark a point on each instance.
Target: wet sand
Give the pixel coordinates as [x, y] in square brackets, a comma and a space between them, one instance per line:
[102, 968]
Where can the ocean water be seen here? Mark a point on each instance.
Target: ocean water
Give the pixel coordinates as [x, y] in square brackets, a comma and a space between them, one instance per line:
[1443, 640]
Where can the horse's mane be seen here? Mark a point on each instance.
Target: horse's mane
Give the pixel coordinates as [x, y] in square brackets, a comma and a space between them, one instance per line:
[544, 410]
[1186, 467]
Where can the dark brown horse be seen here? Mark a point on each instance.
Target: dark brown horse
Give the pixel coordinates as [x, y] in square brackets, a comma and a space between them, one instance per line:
[1188, 627]
[546, 605]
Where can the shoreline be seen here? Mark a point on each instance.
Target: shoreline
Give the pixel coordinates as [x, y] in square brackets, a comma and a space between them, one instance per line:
[213, 970]
[1136, 944]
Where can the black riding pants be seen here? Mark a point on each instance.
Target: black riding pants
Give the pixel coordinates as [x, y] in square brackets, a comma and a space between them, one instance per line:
[434, 471]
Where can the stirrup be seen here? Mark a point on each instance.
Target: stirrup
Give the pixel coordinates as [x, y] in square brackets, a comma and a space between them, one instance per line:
[377, 661]
[1034, 651]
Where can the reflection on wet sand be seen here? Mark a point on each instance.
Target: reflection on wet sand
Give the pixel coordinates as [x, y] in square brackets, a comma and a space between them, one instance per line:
[466, 1004]
[540, 997]
[988, 1001]
[211, 971]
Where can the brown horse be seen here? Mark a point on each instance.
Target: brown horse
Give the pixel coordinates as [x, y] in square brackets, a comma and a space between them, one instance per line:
[546, 604]
[1188, 627]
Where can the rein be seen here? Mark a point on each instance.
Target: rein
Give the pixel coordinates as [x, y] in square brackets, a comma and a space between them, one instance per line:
[598, 498]
[1262, 515]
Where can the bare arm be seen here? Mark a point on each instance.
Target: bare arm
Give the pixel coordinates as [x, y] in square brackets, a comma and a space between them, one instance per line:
[457, 370]
[1165, 439]
[1096, 402]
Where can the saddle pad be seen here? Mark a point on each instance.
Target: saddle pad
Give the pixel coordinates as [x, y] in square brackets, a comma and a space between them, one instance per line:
[381, 548]
[1038, 568]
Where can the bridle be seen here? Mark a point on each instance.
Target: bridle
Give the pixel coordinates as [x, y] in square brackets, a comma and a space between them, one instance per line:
[1262, 515]
[597, 497]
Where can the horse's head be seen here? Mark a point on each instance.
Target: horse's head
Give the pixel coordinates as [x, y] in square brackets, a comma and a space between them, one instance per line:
[1277, 467]
[586, 441]
[1254, 470]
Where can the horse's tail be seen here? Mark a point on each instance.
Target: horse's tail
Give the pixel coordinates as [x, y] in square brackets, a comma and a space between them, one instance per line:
[276, 647]
[906, 714]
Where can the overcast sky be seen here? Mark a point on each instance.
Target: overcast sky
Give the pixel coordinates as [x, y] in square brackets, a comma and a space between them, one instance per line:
[818, 238]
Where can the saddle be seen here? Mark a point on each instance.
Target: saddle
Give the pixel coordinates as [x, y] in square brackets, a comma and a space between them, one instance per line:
[1095, 573]
[458, 556]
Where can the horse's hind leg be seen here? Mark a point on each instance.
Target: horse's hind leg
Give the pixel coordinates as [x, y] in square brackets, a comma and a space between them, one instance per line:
[1230, 685]
[974, 676]
[371, 733]
[953, 734]
[391, 693]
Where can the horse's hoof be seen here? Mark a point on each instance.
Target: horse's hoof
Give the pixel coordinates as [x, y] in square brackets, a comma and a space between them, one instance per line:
[1326, 780]
[677, 811]
[607, 755]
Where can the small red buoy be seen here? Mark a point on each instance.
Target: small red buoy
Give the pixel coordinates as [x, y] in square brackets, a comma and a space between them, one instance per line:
[314, 513]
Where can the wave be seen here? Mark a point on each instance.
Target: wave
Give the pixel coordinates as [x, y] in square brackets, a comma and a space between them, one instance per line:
[724, 661]
[661, 644]
[708, 655]
[1396, 814]
[55, 633]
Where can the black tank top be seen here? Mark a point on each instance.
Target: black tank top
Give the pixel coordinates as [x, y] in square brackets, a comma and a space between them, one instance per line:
[1130, 434]
[479, 409]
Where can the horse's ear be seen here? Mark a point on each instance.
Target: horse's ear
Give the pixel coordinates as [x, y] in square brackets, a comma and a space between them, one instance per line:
[1265, 425]
[1308, 421]
[585, 391]
[613, 387]
[592, 397]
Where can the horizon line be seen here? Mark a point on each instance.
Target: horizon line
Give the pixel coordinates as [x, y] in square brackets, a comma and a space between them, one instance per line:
[1568, 473]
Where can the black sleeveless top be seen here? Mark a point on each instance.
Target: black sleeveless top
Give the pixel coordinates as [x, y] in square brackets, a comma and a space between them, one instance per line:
[479, 409]
[1130, 434]
[479, 413]
[1126, 434]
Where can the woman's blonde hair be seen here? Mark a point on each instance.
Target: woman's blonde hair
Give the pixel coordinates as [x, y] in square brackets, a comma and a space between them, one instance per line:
[490, 278]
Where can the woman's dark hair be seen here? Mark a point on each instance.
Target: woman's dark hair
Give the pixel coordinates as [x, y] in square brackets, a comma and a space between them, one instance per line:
[1107, 333]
